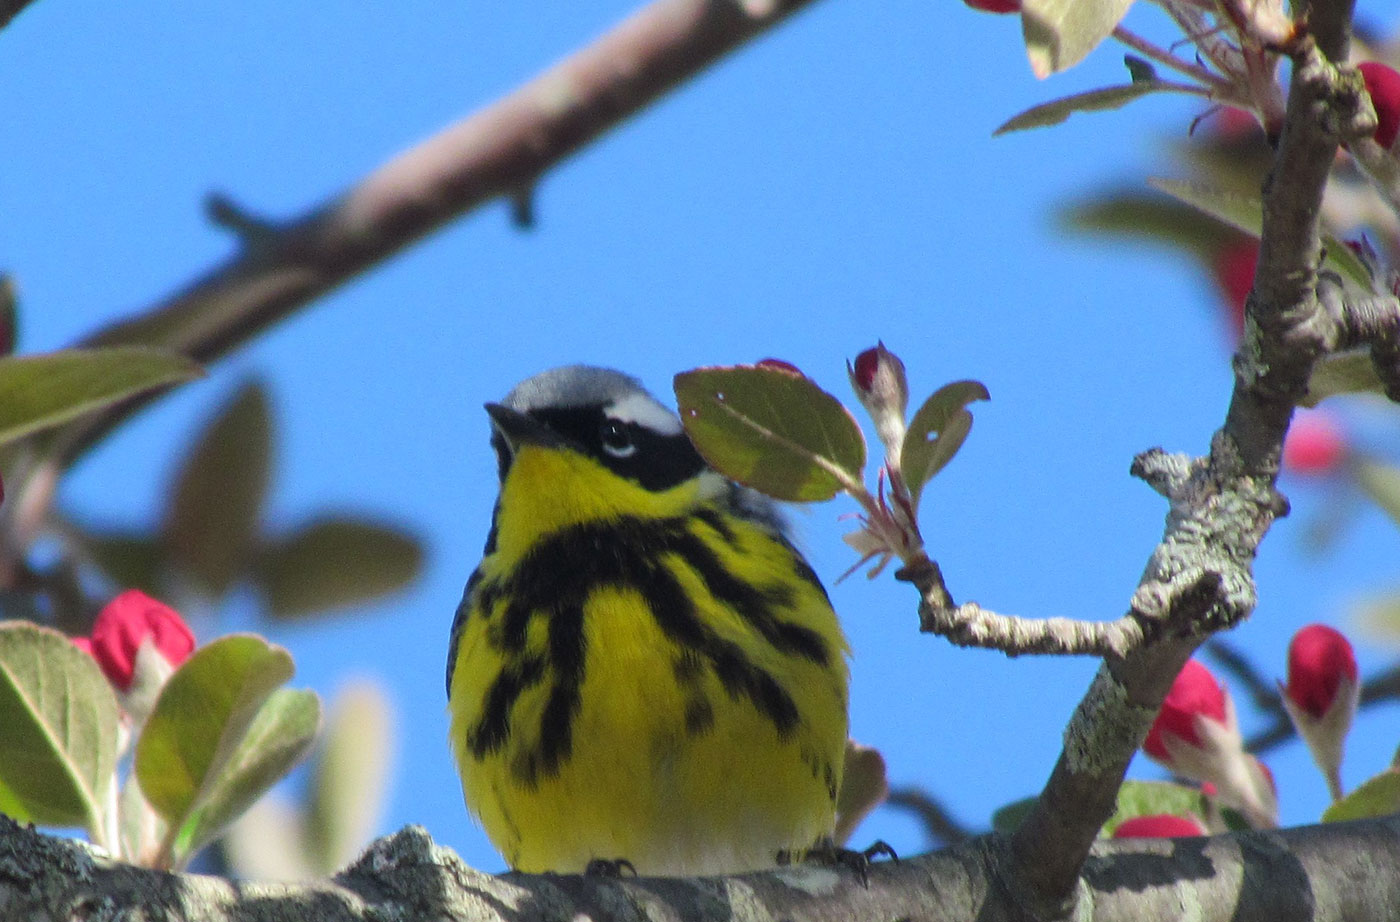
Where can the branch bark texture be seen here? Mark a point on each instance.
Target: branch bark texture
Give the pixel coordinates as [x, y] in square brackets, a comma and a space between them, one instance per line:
[1344, 871]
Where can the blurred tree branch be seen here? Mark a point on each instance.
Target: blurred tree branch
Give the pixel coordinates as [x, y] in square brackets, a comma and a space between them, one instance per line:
[501, 151]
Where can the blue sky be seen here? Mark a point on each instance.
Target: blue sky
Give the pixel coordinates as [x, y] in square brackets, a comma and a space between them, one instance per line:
[833, 184]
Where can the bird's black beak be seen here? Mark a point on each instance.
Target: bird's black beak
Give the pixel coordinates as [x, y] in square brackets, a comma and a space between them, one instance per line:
[519, 429]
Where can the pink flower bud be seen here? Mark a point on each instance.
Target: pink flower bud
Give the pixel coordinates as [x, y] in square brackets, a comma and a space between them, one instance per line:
[995, 6]
[879, 381]
[1159, 826]
[1195, 693]
[780, 365]
[1319, 659]
[129, 622]
[83, 643]
[1383, 84]
[1315, 443]
[1321, 696]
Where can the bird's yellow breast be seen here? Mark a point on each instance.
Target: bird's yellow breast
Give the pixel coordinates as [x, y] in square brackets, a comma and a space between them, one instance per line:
[644, 675]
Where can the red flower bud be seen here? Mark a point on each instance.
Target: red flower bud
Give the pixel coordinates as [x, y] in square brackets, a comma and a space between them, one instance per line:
[1315, 443]
[130, 621]
[1233, 268]
[1159, 826]
[867, 363]
[83, 643]
[1383, 84]
[780, 365]
[995, 6]
[1195, 692]
[1319, 658]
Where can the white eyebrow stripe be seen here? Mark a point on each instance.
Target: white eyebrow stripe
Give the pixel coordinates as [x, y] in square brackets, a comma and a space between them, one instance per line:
[643, 410]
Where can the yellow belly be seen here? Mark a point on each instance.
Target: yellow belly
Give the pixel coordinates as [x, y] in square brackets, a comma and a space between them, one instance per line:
[667, 766]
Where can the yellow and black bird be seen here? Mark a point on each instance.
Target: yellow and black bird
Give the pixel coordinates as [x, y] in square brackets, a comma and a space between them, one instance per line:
[643, 670]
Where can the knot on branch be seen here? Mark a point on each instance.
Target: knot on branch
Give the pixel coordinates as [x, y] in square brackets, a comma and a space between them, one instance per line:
[1190, 603]
[1167, 473]
[1337, 99]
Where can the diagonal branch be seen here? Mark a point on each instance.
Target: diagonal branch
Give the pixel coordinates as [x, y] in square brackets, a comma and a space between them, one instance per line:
[500, 151]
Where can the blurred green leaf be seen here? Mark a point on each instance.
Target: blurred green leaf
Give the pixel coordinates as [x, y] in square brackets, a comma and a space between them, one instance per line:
[1379, 796]
[1246, 212]
[1379, 616]
[1382, 483]
[937, 432]
[772, 430]
[1006, 819]
[9, 315]
[216, 506]
[1151, 798]
[1152, 217]
[39, 391]
[1106, 99]
[201, 717]
[335, 562]
[1061, 33]
[349, 777]
[58, 729]
[130, 559]
[1140, 69]
[1342, 373]
[278, 738]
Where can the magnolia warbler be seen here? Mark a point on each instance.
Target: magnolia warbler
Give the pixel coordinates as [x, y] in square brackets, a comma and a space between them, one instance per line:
[643, 670]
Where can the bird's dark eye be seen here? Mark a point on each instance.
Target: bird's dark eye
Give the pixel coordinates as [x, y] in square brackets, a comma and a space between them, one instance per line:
[617, 441]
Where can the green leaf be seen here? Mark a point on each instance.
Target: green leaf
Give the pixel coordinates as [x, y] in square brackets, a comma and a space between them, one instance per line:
[1342, 373]
[277, 739]
[937, 432]
[58, 730]
[335, 562]
[1382, 483]
[216, 506]
[1140, 69]
[1246, 212]
[1008, 818]
[1151, 217]
[39, 391]
[1380, 616]
[131, 559]
[1150, 798]
[349, 777]
[1379, 796]
[9, 315]
[772, 430]
[201, 717]
[1061, 33]
[1102, 100]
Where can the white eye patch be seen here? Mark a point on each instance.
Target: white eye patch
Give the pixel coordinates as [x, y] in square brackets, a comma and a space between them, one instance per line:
[642, 409]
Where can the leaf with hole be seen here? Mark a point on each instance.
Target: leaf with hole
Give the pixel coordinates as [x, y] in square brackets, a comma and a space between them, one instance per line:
[936, 432]
[772, 430]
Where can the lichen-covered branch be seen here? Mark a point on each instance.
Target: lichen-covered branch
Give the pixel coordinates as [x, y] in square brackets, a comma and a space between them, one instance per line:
[1343, 871]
